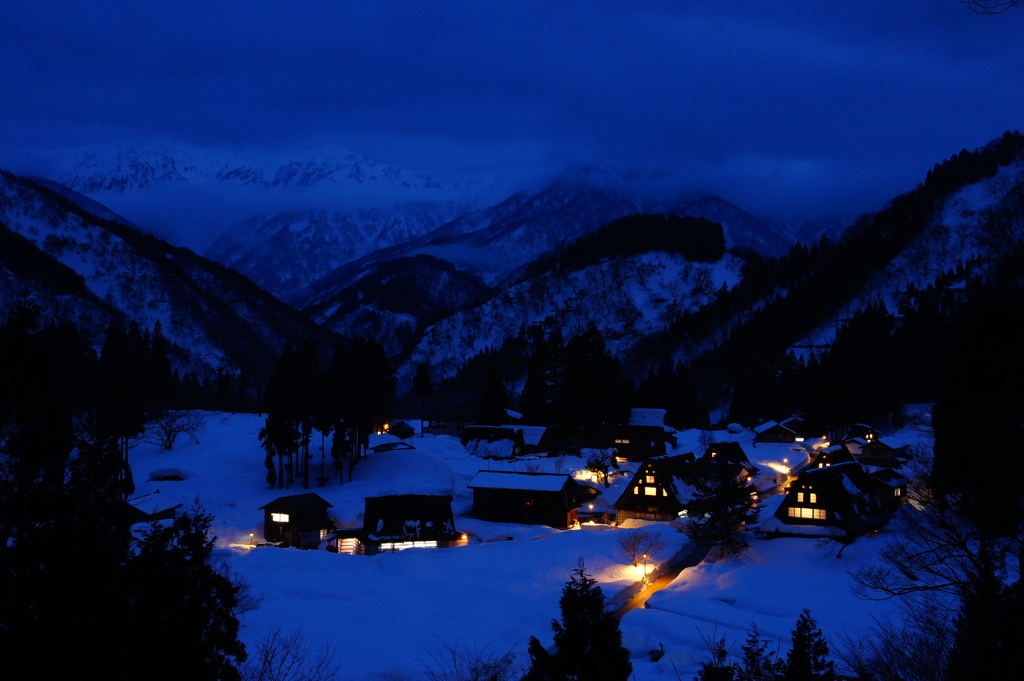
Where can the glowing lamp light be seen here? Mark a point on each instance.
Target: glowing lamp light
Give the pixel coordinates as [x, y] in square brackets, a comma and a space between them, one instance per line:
[251, 541]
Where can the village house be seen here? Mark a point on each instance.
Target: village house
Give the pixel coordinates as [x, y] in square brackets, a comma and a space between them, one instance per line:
[730, 453]
[841, 495]
[831, 456]
[662, 486]
[402, 521]
[299, 520]
[529, 498]
[787, 430]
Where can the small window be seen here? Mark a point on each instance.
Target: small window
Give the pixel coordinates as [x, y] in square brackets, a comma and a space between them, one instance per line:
[636, 490]
[897, 491]
[649, 479]
[800, 497]
[651, 491]
[813, 498]
[279, 517]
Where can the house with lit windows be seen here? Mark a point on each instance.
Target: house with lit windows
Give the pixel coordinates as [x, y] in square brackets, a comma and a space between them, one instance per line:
[299, 520]
[729, 453]
[841, 495]
[402, 521]
[831, 456]
[663, 485]
[786, 430]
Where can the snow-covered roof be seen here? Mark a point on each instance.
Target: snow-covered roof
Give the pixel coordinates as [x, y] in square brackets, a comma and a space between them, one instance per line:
[534, 482]
[531, 434]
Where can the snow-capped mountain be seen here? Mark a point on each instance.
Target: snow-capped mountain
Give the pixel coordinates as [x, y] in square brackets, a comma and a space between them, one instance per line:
[89, 269]
[136, 166]
[286, 252]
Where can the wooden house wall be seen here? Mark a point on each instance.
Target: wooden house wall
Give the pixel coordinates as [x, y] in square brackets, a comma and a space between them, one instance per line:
[528, 507]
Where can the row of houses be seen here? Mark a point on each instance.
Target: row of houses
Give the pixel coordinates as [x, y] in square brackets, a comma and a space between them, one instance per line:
[852, 485]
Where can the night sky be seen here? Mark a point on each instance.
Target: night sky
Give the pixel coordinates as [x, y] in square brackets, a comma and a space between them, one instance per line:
[798, 108]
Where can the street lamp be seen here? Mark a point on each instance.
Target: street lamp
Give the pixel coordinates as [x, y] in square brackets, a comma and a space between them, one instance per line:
[251, 542]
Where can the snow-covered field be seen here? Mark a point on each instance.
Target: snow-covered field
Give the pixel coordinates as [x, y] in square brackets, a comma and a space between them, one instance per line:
[385, 615]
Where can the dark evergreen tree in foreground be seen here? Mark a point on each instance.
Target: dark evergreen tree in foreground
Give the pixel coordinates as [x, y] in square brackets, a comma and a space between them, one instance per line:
[78, 597]
[808, 658]
[587, 639]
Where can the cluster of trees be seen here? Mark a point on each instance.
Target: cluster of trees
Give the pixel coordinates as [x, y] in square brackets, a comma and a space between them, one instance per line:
[67, 550]
[956, 563]
[576, 385]
[807, 659]
[346, 403]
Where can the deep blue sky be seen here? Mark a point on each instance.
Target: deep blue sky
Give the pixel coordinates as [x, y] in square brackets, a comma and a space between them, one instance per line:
[785, 107]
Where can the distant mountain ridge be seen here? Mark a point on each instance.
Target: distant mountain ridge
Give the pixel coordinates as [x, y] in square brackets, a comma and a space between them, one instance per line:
[133, 167]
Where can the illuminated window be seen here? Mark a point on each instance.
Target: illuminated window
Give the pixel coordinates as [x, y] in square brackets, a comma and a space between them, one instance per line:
[279, 517]
[649, 479]
[651, 491]
[400, 546]
[636, 490]
[664, 492]
[800, 497]
[897, 491]
[809, 513]
[813, 498]
[621, 441]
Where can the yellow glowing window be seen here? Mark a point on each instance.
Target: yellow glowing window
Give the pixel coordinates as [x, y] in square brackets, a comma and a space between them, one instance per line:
[650, 479]
[279, 517]
[800, 497]
[813, 498]
[636, 490]
[621, 441]
[651, 491]
[808, 513]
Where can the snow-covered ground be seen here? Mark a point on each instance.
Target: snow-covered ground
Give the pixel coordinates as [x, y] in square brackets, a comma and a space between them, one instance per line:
[385, 615]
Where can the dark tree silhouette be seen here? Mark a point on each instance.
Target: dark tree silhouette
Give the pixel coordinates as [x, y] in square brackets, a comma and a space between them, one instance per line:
[588, 639]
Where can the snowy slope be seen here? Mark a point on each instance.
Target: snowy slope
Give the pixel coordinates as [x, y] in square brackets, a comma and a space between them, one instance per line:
[625, 298]
[214, 316]
[286, 252]
[969, 229]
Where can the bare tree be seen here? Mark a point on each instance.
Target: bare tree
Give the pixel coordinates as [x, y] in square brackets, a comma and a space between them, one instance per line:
[636, 543]
[992, 6]
[456, 662]
[164, 429]
[288, 656]
[599, 463]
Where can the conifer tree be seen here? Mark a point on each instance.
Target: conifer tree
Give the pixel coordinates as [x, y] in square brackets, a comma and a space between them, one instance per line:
[758, 663]
[718, 515]
[717, 668]
[588, 639]
[808, 659]
[493, 400]
[423, 387]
